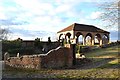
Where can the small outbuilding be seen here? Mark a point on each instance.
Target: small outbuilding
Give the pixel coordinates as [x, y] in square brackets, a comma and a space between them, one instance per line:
[89, 34]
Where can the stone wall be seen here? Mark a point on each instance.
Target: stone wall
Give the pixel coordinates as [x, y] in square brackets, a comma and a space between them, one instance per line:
[55, 58]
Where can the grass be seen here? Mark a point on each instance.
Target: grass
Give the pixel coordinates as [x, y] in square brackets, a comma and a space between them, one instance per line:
[111, 64]
[111, 51]
[107, 70]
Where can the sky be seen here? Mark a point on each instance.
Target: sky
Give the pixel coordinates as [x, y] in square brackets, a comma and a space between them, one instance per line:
[29, 19]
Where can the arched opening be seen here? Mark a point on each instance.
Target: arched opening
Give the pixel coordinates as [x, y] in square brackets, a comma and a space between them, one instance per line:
[61, 37]
[67, 37]
[105, 39]
[88, 39]
[97, 39]
[79, 39]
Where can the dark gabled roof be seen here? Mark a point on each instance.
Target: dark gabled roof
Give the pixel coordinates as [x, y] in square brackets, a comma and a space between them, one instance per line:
[83, 27]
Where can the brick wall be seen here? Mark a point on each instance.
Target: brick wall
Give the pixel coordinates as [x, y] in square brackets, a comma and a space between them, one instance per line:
[26, 61]
[55, 58]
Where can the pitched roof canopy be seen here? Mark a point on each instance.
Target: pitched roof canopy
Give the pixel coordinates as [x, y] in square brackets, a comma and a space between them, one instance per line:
[82, 27]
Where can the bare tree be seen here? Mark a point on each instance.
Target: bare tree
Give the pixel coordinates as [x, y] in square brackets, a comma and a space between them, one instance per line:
[110, 13]
[4, 33]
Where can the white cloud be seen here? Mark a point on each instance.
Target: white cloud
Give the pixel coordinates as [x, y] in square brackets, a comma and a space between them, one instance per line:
[63, 8]
[2, 15]
[33, 35]
[95, 15]
[40, 16]
[18, 35]
[28, 4]
[34, 6]
[84, 21]
[43, 15]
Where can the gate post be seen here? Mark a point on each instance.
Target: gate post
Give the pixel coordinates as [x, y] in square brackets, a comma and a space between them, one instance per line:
[74, 53]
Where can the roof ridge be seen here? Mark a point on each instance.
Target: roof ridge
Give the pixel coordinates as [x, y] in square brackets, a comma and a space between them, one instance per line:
[82, 27]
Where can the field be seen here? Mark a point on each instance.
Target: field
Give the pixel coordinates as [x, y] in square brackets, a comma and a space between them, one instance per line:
[100, 64]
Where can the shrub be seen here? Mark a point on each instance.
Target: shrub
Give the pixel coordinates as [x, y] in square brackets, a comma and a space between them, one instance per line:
[22, 51]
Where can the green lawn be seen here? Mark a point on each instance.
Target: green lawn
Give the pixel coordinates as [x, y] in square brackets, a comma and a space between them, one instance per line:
[108, 68]
[111, 51]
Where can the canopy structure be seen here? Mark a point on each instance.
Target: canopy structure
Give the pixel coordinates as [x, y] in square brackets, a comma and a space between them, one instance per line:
[91, 35]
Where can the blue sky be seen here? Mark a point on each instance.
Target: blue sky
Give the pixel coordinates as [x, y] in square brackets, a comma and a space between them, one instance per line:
[29, 19]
